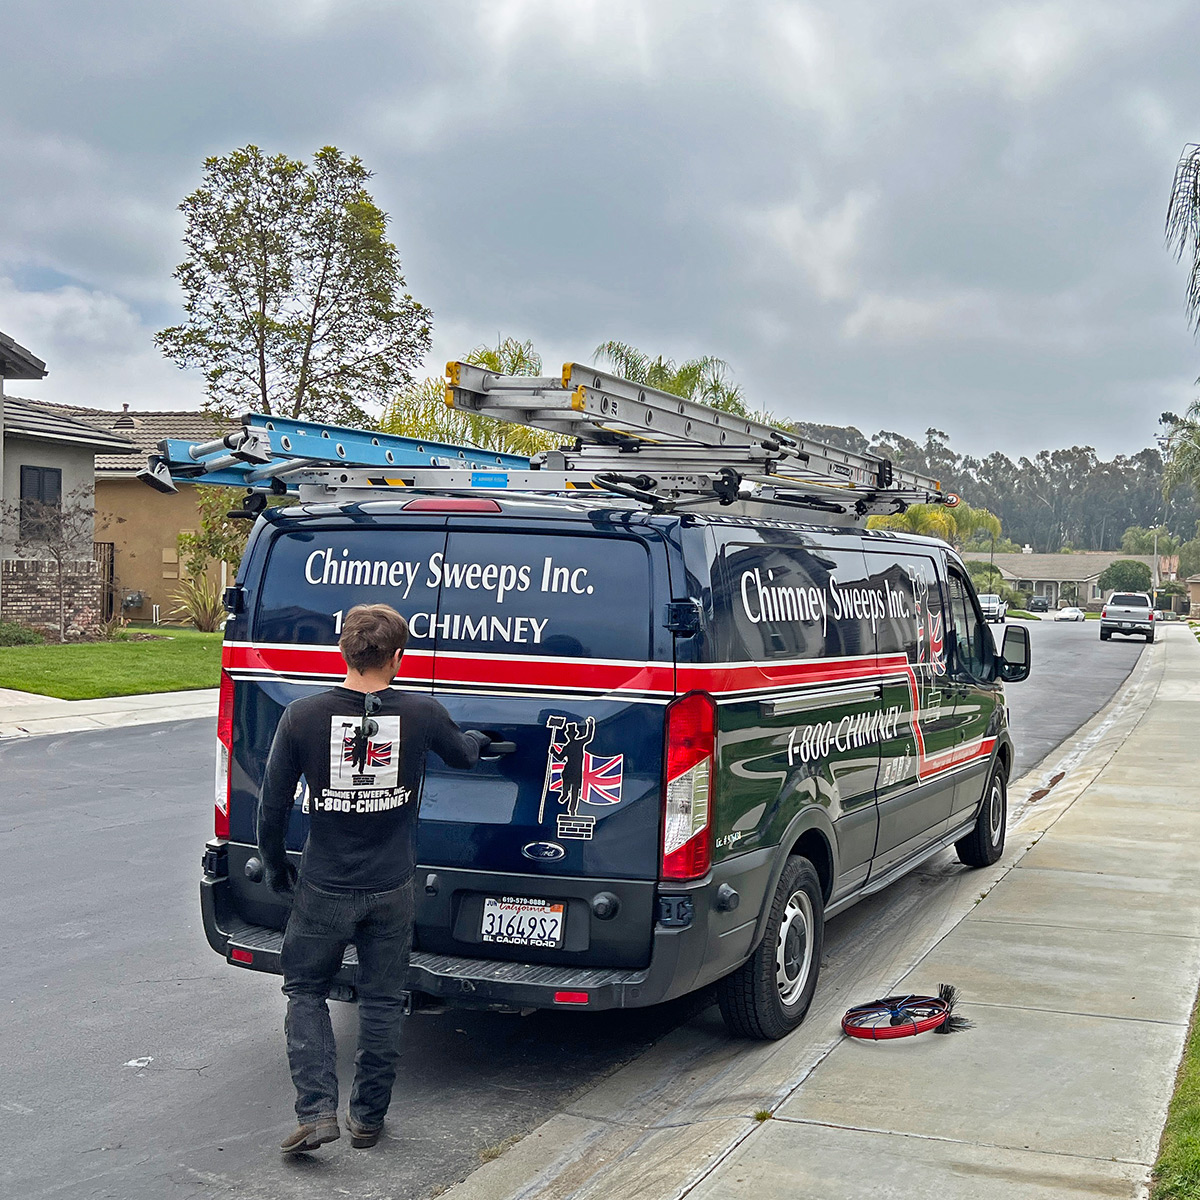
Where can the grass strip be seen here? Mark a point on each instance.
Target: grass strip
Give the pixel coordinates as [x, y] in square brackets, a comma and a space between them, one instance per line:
[1177, 1172]
[183, 660]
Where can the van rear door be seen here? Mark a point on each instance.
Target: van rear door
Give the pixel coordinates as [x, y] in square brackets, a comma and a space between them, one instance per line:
[307, 577]
[549, 635]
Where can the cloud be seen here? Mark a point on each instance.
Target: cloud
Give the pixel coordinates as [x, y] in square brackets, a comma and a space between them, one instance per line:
[96, 348]
[870, 211]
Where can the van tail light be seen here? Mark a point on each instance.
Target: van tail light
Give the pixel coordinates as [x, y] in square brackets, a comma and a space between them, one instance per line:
[224, 750]
[687, 795]
[1104, 612]
[1152, 614]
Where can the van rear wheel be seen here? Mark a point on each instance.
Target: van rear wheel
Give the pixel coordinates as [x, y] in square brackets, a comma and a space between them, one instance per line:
[768, 995]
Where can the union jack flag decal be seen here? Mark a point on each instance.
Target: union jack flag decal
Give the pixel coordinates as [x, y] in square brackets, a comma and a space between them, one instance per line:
[601, 777]
[379, 754]
[937, 647]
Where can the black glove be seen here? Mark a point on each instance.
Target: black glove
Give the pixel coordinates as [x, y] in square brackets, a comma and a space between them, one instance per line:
[280, 878]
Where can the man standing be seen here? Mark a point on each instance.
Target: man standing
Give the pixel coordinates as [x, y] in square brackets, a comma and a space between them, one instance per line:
[361, 750]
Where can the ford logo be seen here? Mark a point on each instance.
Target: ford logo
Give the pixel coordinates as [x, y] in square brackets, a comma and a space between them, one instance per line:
[543, 851]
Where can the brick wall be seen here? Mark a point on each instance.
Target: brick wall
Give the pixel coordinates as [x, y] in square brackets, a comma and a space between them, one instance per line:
[29, 594]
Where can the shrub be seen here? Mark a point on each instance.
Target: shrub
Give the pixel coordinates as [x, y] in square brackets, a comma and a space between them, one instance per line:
[199, 601]
[12, 634]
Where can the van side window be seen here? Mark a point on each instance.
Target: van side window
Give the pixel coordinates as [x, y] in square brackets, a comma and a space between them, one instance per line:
[972, 642]
[790, 601]
[915, 622]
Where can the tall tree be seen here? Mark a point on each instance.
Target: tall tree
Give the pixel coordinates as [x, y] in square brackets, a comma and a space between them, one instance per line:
[294, 298]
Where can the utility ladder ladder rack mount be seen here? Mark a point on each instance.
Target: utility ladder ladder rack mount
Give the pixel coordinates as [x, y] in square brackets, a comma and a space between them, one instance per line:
[622, 437]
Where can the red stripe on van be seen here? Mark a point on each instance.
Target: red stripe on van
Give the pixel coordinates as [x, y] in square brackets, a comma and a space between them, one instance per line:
[602, 675]
[725, 678]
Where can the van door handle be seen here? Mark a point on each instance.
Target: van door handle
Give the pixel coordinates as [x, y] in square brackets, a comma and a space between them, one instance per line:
[822, 698]
[496, 749]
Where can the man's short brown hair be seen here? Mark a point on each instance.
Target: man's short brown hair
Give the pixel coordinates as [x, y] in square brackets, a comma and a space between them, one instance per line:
[371, 634]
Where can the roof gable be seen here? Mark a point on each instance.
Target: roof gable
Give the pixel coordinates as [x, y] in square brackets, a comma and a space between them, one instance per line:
[144, 430]
[30, 419]
[17, 363]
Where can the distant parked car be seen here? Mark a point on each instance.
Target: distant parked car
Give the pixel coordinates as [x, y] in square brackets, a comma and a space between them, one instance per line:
[994, 609]
[1070, 614]
[1038, 604]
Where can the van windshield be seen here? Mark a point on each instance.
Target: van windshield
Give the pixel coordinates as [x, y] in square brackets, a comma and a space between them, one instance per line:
[1130, 600]
[495, 592]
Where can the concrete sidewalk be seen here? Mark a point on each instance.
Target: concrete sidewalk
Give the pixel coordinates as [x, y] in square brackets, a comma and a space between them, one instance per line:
[1078, 956]
[24, 714]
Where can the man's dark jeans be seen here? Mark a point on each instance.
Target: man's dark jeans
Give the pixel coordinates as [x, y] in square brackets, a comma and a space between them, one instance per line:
[319, 928]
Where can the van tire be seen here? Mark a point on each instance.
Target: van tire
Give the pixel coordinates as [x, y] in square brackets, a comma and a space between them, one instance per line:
[759, 1000]
[1104, 635]
[985, 843]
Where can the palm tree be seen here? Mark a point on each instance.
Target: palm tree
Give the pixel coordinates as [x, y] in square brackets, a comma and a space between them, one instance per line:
[953, 525]
[704, 379]
[421, 410]
[1181, 446]
[1183, 223]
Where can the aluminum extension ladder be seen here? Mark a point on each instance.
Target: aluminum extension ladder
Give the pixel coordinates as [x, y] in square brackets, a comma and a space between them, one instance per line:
[621, 437]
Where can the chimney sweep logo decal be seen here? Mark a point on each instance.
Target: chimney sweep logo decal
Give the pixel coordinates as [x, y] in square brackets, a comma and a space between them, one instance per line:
[575, 775]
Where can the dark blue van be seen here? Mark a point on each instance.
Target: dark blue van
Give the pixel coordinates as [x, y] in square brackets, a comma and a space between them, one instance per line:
[726, 730]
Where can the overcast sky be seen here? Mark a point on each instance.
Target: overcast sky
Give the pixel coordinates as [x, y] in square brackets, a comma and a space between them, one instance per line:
[893, 215]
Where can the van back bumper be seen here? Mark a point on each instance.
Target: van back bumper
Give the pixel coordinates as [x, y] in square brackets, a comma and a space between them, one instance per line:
[696, 939]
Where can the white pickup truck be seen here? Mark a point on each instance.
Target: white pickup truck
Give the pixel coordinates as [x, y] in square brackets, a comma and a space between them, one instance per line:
[1127, 612]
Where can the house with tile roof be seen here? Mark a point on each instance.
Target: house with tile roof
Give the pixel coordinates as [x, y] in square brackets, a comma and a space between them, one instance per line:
[142, 526]
[1071, 578]
[47, 461]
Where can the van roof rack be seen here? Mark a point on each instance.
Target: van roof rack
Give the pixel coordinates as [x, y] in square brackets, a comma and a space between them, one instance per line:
[624, 438]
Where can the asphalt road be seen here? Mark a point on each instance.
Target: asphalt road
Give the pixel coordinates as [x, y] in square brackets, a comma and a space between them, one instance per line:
[138, 1066]
[1073, 676]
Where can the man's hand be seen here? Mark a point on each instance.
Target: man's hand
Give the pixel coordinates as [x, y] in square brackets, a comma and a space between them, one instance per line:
[280, 877]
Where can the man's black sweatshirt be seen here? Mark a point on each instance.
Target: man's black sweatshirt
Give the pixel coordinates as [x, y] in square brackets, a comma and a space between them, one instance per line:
[362, 793]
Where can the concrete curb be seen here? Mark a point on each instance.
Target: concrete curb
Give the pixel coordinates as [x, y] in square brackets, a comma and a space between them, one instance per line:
[664, 1123]
[37, 716]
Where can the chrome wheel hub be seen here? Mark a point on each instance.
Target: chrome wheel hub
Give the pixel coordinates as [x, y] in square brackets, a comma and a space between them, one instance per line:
[794, 951]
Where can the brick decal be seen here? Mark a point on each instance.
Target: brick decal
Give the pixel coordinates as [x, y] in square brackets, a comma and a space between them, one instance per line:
[29, 594]
[576, 828]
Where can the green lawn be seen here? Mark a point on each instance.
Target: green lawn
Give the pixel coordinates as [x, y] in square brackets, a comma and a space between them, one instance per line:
[88, 670]
[1177, 1172]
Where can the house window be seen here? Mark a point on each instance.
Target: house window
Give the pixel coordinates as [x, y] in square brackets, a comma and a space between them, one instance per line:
[41, 502]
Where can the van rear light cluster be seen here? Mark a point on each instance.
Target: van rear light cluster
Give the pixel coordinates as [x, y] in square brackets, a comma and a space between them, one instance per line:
[1104, 612]
[224, 751]
[687, 796]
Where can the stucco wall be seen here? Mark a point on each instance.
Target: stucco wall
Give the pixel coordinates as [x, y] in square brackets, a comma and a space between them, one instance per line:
[77, 463]
[144, 527]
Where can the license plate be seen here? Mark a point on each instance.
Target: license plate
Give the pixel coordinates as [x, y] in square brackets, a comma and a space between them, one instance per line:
[1126, 624]
[522, 921]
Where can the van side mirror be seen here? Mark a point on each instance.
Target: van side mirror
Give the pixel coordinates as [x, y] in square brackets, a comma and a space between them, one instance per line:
[1014, 654]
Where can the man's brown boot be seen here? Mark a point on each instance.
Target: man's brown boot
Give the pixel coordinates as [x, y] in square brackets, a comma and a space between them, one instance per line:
[362, 1137]
[309, 1137]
